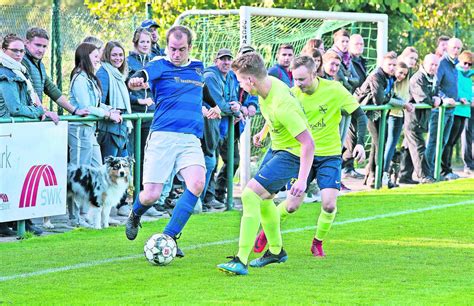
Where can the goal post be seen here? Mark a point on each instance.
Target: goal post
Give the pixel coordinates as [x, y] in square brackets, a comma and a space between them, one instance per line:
[267, 28]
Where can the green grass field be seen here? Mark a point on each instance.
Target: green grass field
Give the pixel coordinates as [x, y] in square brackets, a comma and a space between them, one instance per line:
[403, 246]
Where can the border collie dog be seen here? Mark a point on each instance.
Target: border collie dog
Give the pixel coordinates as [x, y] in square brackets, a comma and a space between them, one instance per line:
[101, 187]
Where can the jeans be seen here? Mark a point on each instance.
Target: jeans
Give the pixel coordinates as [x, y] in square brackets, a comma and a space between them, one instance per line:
[210, 165]
[372, 162]
[432, 135]
[467, 143]
[109, 146]
[455, 135]
[394, 129]
[165, 192]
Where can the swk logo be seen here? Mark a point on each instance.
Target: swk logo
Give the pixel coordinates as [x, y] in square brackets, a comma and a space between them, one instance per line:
[29, 191]
[4, 202]
[3, 197]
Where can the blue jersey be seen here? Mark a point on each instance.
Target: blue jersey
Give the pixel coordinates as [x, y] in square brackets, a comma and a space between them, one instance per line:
[177, 92]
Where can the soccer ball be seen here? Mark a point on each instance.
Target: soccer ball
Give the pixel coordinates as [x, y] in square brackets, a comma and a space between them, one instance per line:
[160, 249]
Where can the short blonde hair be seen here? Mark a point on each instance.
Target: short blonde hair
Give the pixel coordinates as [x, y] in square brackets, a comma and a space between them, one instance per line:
[390, 55]
[250, 63]
[329, 55]
[465, 56]
[303, 60]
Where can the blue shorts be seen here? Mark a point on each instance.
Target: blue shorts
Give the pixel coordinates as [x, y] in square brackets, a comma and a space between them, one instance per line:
[277, 169]
[327, 171]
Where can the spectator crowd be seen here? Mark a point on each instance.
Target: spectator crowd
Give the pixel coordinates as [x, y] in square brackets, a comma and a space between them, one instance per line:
[99, 87]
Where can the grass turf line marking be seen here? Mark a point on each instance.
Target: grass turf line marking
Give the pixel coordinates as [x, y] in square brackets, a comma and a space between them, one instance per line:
[222, 242]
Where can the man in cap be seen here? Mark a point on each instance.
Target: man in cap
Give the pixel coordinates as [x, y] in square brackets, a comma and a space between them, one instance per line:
[152, 27]
[223, 89]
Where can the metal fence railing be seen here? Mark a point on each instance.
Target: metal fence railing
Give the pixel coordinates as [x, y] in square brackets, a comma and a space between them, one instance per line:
[138, 118]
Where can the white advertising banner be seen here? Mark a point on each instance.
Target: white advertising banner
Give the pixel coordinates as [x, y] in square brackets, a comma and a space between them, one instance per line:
[33, 169]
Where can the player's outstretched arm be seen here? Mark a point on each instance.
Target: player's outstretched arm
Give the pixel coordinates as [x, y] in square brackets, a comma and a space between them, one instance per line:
[306, 161]
[138, 81]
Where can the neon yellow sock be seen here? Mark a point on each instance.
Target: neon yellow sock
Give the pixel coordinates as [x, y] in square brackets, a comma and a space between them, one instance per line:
[271, 225]
[249, 223]
[324, 223]
[283, 212]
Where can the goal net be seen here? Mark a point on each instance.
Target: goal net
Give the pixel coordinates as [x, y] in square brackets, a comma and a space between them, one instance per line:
[266, 29]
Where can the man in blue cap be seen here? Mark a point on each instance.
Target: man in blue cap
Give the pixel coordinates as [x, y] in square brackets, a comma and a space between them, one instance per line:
[152, 27]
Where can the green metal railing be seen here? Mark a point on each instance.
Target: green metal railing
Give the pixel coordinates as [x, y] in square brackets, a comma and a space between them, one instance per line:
[140, 117]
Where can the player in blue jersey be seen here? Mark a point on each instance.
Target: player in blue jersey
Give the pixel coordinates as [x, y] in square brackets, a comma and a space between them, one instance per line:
[173, 145]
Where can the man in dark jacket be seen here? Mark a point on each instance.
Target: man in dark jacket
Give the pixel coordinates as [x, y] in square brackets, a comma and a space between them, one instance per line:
[447, 77]
[152, 26]
[222, 88]
[37, 41]
[377, 90]
[423, 89]
[281, 70]
[346, 74]
[356, 48]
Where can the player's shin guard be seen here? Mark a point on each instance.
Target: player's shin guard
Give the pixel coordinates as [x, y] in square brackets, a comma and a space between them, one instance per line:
[325, 221]
[181, 213]
[249, 223]
[271, 225]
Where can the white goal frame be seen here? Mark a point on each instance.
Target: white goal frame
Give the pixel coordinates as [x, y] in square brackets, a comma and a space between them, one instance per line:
[246, 12]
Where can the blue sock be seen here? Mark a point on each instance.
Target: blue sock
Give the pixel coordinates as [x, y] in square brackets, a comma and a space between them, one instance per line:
[181, 213]
[138, 208]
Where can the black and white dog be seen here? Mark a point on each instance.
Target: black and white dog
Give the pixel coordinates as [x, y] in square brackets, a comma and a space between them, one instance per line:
[101, 187]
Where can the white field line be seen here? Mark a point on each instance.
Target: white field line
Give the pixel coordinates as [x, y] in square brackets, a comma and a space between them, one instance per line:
[222, 242]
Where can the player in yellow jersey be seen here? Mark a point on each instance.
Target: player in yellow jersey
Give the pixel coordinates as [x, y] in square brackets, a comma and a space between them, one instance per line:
[291, 158]
[323, 101]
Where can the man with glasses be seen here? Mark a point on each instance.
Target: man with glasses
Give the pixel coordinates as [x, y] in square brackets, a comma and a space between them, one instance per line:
[152, 27]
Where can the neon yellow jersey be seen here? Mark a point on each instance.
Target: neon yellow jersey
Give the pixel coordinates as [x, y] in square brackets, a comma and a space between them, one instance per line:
[323, 111]
[285, 117]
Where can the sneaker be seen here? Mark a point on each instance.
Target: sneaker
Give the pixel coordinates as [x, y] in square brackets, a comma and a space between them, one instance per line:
[428, 180]
[391, 184]
[345, 188]
[353, 174]
[47, 223]
[215, 204]
[269, 258]
[131, 227]
[113, 222]
[124, 210]
[468, 171]
[407, 180]
[234, 267]
[5, 231]
[152, 212]
[30, 227]
[260, 242]
[385, 179]
[317, 248]
[451, 176]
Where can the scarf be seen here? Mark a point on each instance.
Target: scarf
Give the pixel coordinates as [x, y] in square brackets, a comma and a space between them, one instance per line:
[20, 71]
[345, 56]
[119, 97]
[118, 93]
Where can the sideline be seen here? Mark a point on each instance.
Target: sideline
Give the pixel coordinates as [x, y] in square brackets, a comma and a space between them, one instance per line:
[222, 242]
